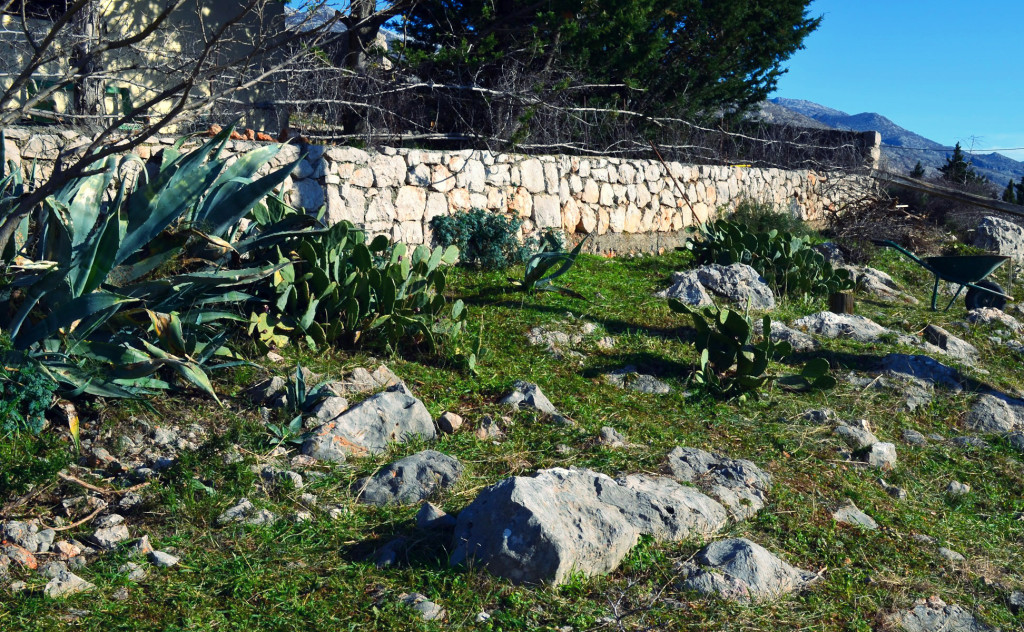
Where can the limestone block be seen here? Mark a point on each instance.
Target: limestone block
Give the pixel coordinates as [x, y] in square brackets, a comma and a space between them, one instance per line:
[532, 174]
[498, 175]
[497, 198]
[603, 220]
[626, 173]
[408, 232]
[411, 203]
[584, 170]
[588, 218]
[332, 178]
[677, 221]
[546, 211]
[617, 219]
[42, 147]
[347, 154]
[665, 219]
[575, 184]
[648, 220]
[380, 210]
[631, 221]
[478, 200]
[521, 203]
[599, 173]
[310, 195]
[336, 209]
[472, 176]
[570, 215]
[346, 170]
[458, 200]
[643, 196]
[563, 191]
[301, 171]
[421, 157]
[551, 177]
[388, 171]
[607, 195]
[711, 195]
[655, 186]
[652, 171]
[667, 199]
[437, 204]
[355, 204]
[591, 192]
[418, 175]
[441, 179]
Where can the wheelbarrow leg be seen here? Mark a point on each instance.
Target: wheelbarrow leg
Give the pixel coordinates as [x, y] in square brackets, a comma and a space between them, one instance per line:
[955, 296]
[935, 292]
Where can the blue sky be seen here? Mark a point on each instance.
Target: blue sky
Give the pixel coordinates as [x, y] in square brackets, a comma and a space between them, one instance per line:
[950, 70]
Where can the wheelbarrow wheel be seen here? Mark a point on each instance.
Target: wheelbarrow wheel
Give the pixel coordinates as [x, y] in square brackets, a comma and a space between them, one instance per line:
[980, 298]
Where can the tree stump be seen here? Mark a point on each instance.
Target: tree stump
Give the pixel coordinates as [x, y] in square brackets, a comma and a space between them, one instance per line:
[840, 303]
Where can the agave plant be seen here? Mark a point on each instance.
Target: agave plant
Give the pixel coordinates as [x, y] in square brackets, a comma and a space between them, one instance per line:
[86, 302]
[541, 271]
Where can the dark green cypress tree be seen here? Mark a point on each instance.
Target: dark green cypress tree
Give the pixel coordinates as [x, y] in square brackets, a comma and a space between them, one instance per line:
[917, 171]
[958, 171]
[1009, 193]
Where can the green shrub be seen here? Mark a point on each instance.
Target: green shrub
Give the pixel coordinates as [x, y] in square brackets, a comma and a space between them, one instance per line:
[27, 461]
[485, 240]
[788, 263]
[762, 217]
[25, 395]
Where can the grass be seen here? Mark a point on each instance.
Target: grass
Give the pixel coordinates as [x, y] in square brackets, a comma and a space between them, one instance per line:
[316, 575]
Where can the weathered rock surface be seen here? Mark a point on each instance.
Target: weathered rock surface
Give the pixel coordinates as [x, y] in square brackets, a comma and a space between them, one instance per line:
[990, 315]
[737, 484]
[740, 570]
[528, 395]
[739, 283]
[881, 455]
[686, 288]
[245, 512]
[612, 438]
[856, 437]
[27, 535]
[832, 325]
[996, 414]
[1001, 237]
[427, 609]
[393, 416]
[934, 615]
[780, 332]
[541, 528]
[66, 583]
[879, 284]
[849, 514]
[924, 368]
[410, 480]
[950, 344]
[430, 516]
[630, 378]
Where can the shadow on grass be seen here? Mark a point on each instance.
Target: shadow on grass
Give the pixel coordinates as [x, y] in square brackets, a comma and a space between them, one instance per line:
[408, 547]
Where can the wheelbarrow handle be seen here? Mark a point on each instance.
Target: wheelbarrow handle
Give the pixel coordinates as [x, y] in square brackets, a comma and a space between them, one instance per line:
[886, 243]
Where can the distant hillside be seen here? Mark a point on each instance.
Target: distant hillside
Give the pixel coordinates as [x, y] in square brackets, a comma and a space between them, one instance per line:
[901, 147]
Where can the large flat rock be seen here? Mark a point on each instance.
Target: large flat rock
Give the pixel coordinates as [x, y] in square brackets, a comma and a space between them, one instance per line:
[740, 570]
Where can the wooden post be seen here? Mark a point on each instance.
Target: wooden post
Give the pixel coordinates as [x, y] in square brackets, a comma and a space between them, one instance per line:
[840, 303]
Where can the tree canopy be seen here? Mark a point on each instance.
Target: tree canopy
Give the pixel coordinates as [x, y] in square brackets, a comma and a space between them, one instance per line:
[958, 170]
[693, 58]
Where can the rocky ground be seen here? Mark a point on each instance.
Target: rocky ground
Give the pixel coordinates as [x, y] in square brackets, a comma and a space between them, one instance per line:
[577, 482]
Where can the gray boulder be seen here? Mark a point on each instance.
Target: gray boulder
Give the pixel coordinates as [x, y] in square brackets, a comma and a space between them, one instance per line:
[739, 283]
[364, 381]
[737, 484]
[528, 395]
[934, 615]
[995, 414]
[329, 408]
[832, 325]
[881, 455]
[991, 315]
[541, 528]
[431, 516]
[879, 284]
[410, 480]
[393, 416]
[740, 570]
[64, 584]
[856, 437]
[1001, 237]
[686, 288]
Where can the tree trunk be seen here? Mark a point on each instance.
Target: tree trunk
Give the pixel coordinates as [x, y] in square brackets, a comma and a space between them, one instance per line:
[88, 89]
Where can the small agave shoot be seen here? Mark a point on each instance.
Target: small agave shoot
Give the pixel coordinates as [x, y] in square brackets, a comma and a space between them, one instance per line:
[538, 275]
[732, 365]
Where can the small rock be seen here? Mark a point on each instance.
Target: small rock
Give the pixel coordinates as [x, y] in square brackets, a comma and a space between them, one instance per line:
[17, 587]
[881, 455]
[914, 437]
[309, 500]
[52, 568]
[109, 520]
[740, 570]
[951, 555]
[856, 437]
[923, 539]
[109, 537]
[428, 610]
[135, 572]
[388, 554]
[237, 513]
[489, 430]
[933, 615]
[738, 484]
[924, 368]
[66, 583]
[528, 395]
[130, 501]
[989, 315]
[893, 490]
[969, 442]
[121, 594]
[612, 438]
[140, 547]
[849, 514]
[640, 382]
[66, 550]
[449, 423]
[780, 332]
[163, 560]
[262, 517]
[431, 516]
[482, 617]
[956, 488]
[1016, 602]
[953, 346]
[995, 414]
[820, 416]
[832, 325]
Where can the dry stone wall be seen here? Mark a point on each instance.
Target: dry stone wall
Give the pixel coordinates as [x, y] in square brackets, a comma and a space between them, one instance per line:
[398, 192]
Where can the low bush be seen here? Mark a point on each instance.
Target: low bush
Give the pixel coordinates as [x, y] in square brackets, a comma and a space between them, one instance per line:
[762, 217]
[485, 240]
